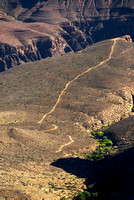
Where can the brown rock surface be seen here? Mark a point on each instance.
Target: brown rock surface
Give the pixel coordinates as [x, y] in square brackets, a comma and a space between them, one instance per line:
[127, 38]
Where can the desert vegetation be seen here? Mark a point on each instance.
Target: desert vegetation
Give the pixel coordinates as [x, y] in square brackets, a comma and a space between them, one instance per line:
[100, 153]
[104, 147]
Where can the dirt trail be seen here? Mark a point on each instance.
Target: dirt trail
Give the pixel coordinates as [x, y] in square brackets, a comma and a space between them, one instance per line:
[52, 129]
[66, 87]
[71, 141]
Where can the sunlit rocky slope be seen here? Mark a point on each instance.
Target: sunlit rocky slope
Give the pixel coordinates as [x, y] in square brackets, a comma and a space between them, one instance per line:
[48, 109]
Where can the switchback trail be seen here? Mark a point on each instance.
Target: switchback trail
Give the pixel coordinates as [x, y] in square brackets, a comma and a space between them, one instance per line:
[66, 87]
[71, 141]
[69, 83]
[52, 129]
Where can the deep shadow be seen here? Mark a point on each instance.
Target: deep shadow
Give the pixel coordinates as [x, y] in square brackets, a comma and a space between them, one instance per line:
[29, 3]
[82, 168]
[44, 45]
[114, 176]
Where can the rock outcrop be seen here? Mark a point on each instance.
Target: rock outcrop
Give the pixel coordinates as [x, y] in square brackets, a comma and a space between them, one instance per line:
[127, 38]
[11, 56]
[55, 11]
[42, 48]
[20, 42]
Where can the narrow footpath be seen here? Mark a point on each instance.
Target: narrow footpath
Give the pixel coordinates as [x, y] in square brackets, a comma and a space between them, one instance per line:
[66, 87]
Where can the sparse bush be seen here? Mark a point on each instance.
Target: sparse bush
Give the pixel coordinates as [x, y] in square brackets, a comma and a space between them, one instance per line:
[103, 150]
[107, 141]
[63, 198]
[98, 134]
[87, 194]
[91, 186]
[95, 194]
[107, 149]
[81, 196]
[104, 147]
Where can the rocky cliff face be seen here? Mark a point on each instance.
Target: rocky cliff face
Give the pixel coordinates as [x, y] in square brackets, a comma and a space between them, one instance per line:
[20, 42]
[68, 25]
[98, 20]
[11, 56]
[68, 9]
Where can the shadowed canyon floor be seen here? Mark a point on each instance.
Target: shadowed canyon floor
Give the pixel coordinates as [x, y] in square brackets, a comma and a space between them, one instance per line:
[48, 109]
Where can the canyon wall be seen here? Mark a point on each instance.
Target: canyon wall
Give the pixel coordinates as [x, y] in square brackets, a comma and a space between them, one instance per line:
[42, 48]
[71, 26]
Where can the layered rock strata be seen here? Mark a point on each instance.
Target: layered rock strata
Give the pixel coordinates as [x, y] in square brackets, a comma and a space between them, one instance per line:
[55, 27]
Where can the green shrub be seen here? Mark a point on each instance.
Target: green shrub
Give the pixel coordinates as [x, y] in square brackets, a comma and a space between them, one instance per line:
[98, 134]
[91, 186]
[87, 194]
[83, 196]
[107, 149]
[107, 141]
[95, 194]
[104, 147]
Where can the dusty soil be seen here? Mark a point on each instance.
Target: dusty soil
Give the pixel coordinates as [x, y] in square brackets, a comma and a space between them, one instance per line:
[30, 142]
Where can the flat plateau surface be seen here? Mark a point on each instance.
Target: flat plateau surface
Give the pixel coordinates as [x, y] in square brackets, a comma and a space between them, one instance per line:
[49, 107]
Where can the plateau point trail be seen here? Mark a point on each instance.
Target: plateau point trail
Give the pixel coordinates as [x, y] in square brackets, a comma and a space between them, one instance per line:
[66, 87]
[69, 83]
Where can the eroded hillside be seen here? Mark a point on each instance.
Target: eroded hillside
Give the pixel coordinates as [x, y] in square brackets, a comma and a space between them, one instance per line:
[48, 109]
